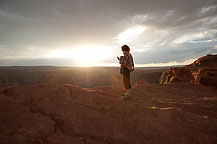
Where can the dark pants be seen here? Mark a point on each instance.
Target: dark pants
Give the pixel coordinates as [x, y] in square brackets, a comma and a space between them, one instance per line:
[126, 78]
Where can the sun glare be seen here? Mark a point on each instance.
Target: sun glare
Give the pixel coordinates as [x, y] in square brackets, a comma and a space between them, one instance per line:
[91, 55]
[84, 56]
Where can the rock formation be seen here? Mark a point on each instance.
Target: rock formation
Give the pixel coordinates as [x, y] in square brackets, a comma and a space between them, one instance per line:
[141, 83]
[207, 77]
[67, 114]
[163, 77]
[208, 61]
[202, 71]
[179, 74]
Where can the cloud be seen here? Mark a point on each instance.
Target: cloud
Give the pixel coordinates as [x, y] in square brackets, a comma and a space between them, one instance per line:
[157, 31]
[208, 9]
[174, 63]
[130, 34]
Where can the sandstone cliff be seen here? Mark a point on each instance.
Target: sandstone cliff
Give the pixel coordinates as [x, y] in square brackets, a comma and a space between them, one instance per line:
[202, 71]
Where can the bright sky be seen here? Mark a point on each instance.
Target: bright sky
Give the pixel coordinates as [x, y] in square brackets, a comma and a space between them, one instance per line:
[91, 32]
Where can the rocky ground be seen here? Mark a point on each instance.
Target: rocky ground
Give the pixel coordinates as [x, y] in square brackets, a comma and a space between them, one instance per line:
[180, 113]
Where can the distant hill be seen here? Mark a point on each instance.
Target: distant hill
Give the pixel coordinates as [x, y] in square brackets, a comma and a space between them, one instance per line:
[83, 77]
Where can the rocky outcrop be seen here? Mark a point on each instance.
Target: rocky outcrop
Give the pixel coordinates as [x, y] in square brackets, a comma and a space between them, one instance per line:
[66, 114]
[163, 77]
[207, 77]
[202, 71]
[141, 83]
[177, 74]
[208, 61]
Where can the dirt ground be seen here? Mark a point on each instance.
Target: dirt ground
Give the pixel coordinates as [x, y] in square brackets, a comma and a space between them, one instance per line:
[181, 113]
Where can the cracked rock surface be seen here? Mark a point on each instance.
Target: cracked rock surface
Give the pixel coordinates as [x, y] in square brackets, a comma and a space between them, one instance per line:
[66, 114]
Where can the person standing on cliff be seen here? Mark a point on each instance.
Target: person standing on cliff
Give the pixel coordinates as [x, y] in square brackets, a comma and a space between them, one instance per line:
[126, 67]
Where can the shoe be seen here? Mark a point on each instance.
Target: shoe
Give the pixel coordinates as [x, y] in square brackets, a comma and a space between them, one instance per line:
[126, 97]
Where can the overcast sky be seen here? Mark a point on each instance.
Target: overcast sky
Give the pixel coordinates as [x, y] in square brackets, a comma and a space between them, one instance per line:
[159, 32]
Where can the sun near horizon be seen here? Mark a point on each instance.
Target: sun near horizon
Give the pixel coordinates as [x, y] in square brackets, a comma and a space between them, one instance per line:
[84, 56]
[90, 33]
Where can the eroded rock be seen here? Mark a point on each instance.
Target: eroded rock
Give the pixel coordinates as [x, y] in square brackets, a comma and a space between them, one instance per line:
[53, 114]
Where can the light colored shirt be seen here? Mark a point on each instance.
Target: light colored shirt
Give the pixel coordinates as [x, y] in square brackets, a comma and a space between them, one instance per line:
[127, 61]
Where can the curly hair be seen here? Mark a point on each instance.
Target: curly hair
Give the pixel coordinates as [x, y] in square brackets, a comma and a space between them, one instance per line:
[125, 48]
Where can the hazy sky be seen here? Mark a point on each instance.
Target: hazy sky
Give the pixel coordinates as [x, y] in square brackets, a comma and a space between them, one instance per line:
[64, 32]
